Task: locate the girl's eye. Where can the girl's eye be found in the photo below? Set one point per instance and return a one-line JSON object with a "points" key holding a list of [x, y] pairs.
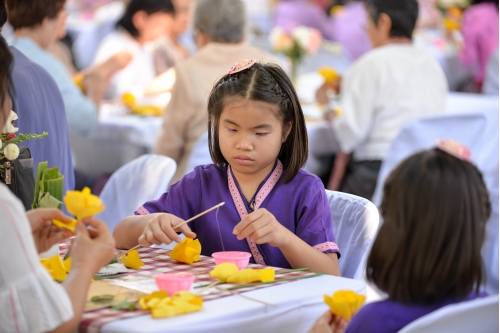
{"points": [[261, 134], [231, 130]]}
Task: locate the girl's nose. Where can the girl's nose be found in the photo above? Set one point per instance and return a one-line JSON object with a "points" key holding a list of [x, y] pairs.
{"points": [[244, 143]]}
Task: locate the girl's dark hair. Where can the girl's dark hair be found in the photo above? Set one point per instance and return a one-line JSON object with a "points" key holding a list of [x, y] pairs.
{"points": [[29, 13], [403, 14], [435, 208], [6, 64], [148, 6], [267, 83]]}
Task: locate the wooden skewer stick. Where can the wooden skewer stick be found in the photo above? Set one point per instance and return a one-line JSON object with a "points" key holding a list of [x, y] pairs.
{"points": [[209, 286], [201, 214], [135, 247], [187, 221], [232, 292]]}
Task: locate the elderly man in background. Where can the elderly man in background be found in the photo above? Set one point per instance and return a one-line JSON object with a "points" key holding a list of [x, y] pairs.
{"points": [[219, 35]]}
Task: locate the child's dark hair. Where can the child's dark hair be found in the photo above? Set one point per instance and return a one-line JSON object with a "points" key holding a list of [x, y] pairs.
{"points": [[267, 83], [148, 6], [403, 14], [435, 208]]}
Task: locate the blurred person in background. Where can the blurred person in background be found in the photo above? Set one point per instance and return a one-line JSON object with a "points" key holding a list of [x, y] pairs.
{"points": [[348, 27], [169, 50], [292, 13], [480, 37], [219, 27], [39, 106], [384, 90], [142, 24], [37, 26]]}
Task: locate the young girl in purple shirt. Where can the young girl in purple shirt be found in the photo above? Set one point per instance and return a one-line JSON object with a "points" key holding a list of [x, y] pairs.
{"points": [[428, 251], [273, 209]]}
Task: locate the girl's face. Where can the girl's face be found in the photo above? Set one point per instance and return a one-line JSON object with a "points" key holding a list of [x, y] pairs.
{"points": [[250, 136]]}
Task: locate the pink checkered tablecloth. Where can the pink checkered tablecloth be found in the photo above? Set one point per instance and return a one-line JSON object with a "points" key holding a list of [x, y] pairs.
{"points": [[156, 261]]}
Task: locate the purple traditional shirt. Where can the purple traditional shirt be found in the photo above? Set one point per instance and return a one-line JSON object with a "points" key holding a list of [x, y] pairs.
{"points": [[391, 316], [300, 205]]}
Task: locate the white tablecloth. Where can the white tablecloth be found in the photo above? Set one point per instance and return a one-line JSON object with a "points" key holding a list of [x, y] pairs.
{"points": [[299, 304]]}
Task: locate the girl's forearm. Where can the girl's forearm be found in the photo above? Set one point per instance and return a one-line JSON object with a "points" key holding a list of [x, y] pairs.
{"points": [[300, 254], [128, 231]]}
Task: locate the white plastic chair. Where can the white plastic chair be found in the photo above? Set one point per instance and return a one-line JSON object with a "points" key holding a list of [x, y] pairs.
{"points": [[200, 155], [143, 179], [355, 224], [479, 132], [478, 316]]}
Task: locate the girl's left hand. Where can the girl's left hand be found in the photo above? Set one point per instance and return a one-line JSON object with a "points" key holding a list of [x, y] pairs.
{"points": [[262, 227], [45, 234]]}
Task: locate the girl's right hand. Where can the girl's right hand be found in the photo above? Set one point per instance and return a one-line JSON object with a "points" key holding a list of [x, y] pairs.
{"points": [[160, 230]]}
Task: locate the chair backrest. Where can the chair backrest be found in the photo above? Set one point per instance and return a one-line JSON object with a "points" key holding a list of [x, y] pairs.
{"points": [[143, 179], [478, 316], [355, 224], [479, 132], [200, 155]]}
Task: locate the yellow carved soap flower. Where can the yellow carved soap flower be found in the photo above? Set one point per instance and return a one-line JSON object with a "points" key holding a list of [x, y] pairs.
{"points": [[250, 275], [55, 267], [129, 100], [132, 260], [223, 271], [162, 306], [187, 251], [83, 204], [71, 225], [345, 303]]}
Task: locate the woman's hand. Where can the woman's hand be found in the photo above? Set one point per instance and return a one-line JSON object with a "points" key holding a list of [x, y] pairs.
{"points": [[160, 230], [329, 323], [262, 227], [93, 248], [45, 234]]}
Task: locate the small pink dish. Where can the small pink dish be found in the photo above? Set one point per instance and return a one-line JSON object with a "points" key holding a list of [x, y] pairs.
{"points": [[173, 283], [240, 259]]}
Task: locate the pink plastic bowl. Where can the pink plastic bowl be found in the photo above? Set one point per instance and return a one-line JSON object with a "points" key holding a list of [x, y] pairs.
{"points": [[173, 283], [240, 259]]}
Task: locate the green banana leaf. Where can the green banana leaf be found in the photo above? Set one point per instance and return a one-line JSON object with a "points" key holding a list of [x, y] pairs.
{"points": [[48, 201], [40, 169]]}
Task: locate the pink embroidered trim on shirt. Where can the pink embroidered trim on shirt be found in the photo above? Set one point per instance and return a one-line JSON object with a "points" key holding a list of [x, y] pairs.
{"points": [[142, 211], [327, 246], [263, 193]]}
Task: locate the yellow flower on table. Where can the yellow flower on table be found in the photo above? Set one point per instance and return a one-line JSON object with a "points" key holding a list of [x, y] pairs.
{"points": [[345, 303], [223, 271], [187, 251], [132, 260], [83, 204], [250, 275], [162, 306]]}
